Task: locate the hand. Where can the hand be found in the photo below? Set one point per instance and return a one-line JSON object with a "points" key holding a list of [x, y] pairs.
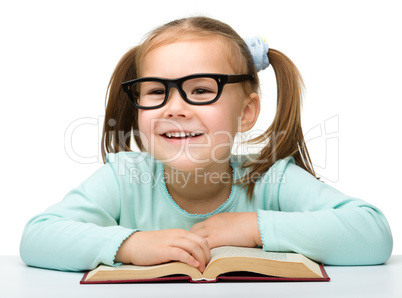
{"points": [[231, 228], [155, 247]]}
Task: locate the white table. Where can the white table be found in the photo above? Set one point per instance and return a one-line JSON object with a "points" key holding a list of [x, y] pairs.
{"points": [[19, 280]]}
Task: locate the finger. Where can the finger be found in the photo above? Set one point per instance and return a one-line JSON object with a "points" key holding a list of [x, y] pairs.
{"points": [[200, 231], [195, 249], [195, 246], [203, 243], [212, 238], [178, 254], [196, 227]]}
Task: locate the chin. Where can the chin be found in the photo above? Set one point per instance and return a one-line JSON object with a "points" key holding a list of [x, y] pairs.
{"points": [[183, 165], [186, 163], [182, 162]]}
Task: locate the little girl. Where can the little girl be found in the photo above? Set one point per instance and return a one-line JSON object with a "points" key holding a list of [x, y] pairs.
{"points": [[183, 95]]}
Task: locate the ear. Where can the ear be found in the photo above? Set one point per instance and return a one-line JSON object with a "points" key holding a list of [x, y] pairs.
{"points": [[250, 112]]}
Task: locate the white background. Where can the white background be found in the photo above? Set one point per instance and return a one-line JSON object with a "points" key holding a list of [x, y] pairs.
{"points": [[57, 57]]}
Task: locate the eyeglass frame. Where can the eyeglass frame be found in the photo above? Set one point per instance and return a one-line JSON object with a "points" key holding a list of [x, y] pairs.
{"points": [[221, 80]]}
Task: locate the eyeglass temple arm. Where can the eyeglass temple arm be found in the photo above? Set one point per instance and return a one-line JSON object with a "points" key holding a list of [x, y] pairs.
{"points": [[239, 78]]}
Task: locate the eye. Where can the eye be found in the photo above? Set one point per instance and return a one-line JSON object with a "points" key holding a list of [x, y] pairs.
{"points": [[156, 92], [151, 89], [201, 91]]}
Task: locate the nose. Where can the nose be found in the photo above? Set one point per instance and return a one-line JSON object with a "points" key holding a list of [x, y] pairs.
{"points": [[176, 106]]}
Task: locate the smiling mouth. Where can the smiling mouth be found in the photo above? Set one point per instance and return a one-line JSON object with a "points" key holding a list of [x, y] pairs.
{"points": [[181, 135]]}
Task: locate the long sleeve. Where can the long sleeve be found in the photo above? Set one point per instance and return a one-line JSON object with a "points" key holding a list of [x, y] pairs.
{"points": [[81, 231], [312, 218], [296, 212]]}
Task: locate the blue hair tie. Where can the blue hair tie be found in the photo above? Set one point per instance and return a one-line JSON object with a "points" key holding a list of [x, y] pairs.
{"points": [[259, 50]]}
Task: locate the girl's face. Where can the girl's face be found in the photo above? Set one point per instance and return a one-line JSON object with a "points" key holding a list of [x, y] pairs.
{"points": [[214, 125]]}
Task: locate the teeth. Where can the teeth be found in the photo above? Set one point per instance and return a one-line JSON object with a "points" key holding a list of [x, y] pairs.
{"points": [[181, 134], [194, 134]]}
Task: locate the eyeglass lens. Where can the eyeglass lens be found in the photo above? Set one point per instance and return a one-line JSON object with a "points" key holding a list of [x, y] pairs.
{"points": [[151, 93]]}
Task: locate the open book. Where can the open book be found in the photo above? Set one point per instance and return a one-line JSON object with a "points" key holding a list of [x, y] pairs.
{"points": [[227, 263]]}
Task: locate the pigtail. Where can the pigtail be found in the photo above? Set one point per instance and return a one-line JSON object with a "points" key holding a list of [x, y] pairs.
{"points": [[284, 137], [121, 116]]}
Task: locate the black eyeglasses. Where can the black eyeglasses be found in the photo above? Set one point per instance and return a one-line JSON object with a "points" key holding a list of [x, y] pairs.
{"points": [[197, 89]]}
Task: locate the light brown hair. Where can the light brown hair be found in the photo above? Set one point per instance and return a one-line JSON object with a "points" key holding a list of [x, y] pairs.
{"points": [[284, 137]]}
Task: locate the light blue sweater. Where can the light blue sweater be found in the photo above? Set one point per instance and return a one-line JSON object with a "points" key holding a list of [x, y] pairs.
{"points": [[296, 212]]}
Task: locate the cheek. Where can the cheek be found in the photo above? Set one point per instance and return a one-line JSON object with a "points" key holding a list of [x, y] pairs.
{"points": [[223, 129], [227, 120], [231, 110]]}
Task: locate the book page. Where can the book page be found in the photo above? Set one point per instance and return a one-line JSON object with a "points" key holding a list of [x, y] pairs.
{"points": [[245, 255], [232, 251], [217, 254], [143, 269], [124, 267]]}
